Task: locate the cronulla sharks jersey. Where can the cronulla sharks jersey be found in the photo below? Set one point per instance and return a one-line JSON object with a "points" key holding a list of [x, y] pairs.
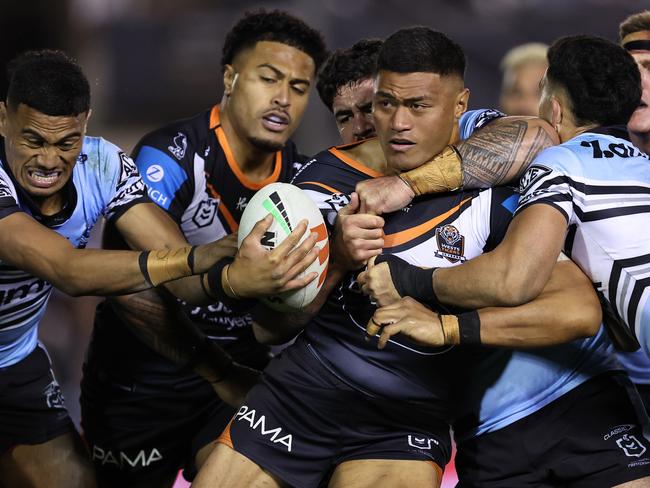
{"points": [[600, 183], [104, 182], [479, 389], [190, 172]]}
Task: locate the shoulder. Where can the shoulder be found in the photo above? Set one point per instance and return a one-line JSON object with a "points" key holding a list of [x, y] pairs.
{"points": [[473, 120]]}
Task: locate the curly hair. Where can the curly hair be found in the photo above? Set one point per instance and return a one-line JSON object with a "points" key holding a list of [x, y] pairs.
{"points": [[420, 49], [347, 67], [275, 26], [48, 81], [601, 79]]}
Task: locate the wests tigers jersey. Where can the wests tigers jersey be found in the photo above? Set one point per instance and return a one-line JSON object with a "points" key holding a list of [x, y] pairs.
{"points": [[442, 230], [190, 171]]}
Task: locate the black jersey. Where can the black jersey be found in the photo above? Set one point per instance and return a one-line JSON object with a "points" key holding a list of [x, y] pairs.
{"points": [[190, 172], [433, 231]]}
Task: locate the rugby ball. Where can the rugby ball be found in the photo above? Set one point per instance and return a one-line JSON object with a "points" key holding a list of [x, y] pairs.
{"points": [[288, 205]]}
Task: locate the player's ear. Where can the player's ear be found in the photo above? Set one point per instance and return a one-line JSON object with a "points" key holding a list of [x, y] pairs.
{"points": [[229, 78], [88, 114], [462, 102], [557, 113]]}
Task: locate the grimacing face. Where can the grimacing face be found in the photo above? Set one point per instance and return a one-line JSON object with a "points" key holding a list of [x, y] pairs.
{"points": [[352, 107], [41, 150], [416, 115], [268, 88]]}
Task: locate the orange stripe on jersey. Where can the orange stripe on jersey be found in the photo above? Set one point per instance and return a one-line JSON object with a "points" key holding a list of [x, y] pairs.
{"points": [[398, 238], [355, 164], [322, 185], [222, 209], [225, 438], [215, 123]]}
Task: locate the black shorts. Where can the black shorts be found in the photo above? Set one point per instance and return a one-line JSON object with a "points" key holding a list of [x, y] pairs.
{"points": [[590, 437], [32, 410], [301, 421], [142, 415]]}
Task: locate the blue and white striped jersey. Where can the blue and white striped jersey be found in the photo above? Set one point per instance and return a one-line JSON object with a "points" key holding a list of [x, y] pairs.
{"points": [[105, 181], [600, 182]]}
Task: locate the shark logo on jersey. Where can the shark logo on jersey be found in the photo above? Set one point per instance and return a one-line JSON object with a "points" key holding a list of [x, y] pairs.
{"points": [[631, 445], [451, 244], [205, 212], [533, 174], [487, 116], [53, 396], [179, 146]]}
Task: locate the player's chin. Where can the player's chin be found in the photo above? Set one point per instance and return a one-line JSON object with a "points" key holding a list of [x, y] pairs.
{"points": [[268, 144]]}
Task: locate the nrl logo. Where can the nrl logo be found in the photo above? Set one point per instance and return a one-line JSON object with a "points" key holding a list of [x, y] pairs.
{"points": [[451, 244]]}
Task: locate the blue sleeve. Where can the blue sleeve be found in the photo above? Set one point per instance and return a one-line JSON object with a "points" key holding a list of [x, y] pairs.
{"points": [[474, 120]]}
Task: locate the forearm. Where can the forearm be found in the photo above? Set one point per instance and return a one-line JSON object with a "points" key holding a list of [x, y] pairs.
{"points": [[275, 327], [497, 154], [567, 309]]}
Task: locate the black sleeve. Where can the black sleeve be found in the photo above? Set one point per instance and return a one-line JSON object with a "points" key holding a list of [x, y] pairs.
{"points": [[504, 203]]}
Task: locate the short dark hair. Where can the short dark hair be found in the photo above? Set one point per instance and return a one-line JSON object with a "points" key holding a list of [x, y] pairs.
{"points": [[420, 49], [48, 81], [275, 26], [347, 67], [601, 79]]}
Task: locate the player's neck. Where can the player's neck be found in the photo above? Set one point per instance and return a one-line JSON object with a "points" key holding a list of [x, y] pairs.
{"points": [[369, 154], [49, 205], [641, 140], [255, 163]]}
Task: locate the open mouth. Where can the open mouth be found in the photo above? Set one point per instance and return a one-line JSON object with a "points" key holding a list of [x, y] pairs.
{"points": [[401, 145], [275, 122], [43, 178]]}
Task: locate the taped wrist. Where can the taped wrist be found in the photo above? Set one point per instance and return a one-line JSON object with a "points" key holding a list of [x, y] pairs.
{"points": [[464, 328], [410, 280], [165, 265], [442, 174], [215, 290]]}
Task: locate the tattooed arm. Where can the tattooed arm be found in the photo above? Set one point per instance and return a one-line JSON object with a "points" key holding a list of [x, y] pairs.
{"points": [[501, 152], [495, 155], [157, 319]]}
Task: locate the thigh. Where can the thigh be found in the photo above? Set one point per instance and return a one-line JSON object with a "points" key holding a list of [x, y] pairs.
{"points": [[369, 473], [58, 463], [227, 467]]}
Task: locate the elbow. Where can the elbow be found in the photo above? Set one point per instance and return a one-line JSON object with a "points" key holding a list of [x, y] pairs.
{"points": [[517, 289], [589, 317]]}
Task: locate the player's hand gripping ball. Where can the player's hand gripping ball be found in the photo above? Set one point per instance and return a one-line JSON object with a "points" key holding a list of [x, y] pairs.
{"points": [[288, 205]]}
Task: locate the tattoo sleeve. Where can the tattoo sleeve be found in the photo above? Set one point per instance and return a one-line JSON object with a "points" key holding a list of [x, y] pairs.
{"points": [[501, 151]]}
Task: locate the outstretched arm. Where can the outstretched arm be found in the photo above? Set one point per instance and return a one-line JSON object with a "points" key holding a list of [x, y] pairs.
{"points": [[30, 246]]}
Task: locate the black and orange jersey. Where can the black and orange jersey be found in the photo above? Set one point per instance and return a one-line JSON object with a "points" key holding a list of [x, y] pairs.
{"points": [[433, 231], [190, 171]]}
